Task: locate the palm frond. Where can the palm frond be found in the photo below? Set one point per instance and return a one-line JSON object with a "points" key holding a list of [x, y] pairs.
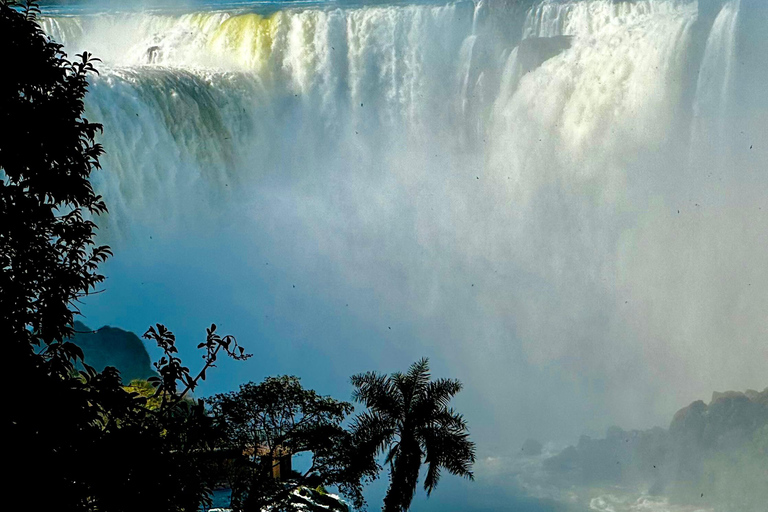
{"points": [[433, 476], [451, 450], [419, 374], [373, 432], [410, 420], [378, 393]]}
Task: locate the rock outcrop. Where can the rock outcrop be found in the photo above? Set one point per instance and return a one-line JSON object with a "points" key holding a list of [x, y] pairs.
{"points": [[110, 346], [698, 444]]}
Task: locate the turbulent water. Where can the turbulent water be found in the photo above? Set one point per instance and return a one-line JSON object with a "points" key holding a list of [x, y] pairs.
{"points": [[576, 185], [232, 95]]}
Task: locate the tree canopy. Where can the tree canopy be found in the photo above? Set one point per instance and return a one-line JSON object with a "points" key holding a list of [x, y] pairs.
{"points": [[277, 418], [48, 258], [78, 440], [408, 418], [48, 255]]}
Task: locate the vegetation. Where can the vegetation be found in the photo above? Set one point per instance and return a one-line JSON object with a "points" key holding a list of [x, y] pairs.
{"points": [[47, 253], [409, 418], [80, 441], [145, 389], [264, 423], [48, 260]]}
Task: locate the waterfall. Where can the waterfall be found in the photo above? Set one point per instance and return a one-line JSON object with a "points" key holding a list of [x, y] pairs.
{"points": [[714, 88], [194, 93], [514, 176]]}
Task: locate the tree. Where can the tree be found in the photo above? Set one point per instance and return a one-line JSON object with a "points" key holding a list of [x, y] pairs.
{"points": [[408, 418], [48, 258], [145, 389], [264, 423], [48, 255], [76, 440]]}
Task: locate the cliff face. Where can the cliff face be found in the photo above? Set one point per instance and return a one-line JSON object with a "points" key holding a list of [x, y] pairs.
{"points": [[730, 419], [718, 449], [110, 346]]}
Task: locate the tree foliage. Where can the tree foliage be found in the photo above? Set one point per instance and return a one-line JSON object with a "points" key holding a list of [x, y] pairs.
{"points": [[155, 444], [78, 441], [145, 389], [48, 258], [410, 420], [48, 255], [278, 417]]}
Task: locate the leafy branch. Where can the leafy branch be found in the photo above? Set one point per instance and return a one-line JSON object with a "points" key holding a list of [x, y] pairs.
{"points": [[173, 373]]}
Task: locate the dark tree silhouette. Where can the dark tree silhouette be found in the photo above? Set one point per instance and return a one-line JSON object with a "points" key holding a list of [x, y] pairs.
{"points": [[75, 440], [268, 422], [408, 418], [47, 153], [48, 259]]}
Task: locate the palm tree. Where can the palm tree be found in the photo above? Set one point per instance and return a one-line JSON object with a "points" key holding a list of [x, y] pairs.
{"points": [[408, 418]]}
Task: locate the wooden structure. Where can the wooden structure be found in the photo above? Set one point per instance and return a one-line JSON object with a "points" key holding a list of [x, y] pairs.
{"points": [[279, 459]]}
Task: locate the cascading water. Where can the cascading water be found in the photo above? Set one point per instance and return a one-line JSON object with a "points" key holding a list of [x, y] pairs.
{"points": [[714, 88], [208, 90], [517, 181]]}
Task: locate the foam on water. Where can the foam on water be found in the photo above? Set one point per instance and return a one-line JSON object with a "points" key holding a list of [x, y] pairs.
{"points": [[629, 503]]}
